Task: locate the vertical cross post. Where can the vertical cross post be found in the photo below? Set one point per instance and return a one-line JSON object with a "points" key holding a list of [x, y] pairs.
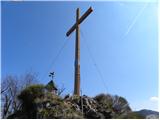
{"points": [[77, 56], [76, 27]]}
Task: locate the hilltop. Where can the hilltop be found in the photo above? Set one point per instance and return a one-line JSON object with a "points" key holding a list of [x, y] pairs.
{"points": [[149, 114], [41, 102]]}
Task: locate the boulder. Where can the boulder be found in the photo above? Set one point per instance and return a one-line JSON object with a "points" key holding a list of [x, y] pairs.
{"points": [[93, 114]]}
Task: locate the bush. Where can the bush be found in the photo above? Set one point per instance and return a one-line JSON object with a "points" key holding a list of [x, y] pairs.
{"points": [[32, 92], [39, 102], [115, 103], [105, 100], [28, 97], [120, 105]]}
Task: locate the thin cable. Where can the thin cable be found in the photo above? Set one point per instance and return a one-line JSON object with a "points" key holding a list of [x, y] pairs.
{"points": [[94, 62], [56, 57]]}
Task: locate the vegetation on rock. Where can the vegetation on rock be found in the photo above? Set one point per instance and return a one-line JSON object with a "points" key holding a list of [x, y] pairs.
{"points": [[38, 101]]}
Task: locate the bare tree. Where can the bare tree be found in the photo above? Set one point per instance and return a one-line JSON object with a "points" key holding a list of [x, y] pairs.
{"points": [[29, 79], [8, 90], [11, 86]]}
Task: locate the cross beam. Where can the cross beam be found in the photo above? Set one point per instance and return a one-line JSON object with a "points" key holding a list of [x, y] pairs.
{"points": [[79, 20]]}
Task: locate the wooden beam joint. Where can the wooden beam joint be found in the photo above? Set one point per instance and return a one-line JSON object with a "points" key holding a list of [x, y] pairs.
{"points": [[79, 21]]}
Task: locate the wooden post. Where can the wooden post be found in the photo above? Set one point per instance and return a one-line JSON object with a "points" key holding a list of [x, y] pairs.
{"points": [[76, 27], [77, 57]]}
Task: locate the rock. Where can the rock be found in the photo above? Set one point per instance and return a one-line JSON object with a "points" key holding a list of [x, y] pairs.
{"points": [[107, 114], [67, 96], [76, 107], [48, 105], [86, 103], [92, 114], [52, 106]]}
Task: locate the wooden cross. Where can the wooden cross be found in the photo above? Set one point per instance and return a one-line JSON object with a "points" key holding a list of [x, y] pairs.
{"points": [[76, 27]]}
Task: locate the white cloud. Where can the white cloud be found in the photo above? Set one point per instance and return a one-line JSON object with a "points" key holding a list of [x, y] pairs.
{"points": [[154, 99], [151, 104]]}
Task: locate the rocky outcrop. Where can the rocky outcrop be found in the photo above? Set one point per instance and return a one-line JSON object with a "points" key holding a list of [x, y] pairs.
{"points": [[91, 108], [53, 106], [87, 106], [40, 103]]}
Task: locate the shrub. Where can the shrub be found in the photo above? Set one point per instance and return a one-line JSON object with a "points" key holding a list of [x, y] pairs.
{"points": [[120, 105], [105, 100], [28, 97], [32, 92], [115, 103]]}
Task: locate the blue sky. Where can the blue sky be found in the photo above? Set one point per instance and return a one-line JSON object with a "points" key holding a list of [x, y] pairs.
{"points": [[122, 38]]}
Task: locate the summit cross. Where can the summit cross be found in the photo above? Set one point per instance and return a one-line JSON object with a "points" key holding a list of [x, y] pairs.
{"points": [[76, 27]]}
